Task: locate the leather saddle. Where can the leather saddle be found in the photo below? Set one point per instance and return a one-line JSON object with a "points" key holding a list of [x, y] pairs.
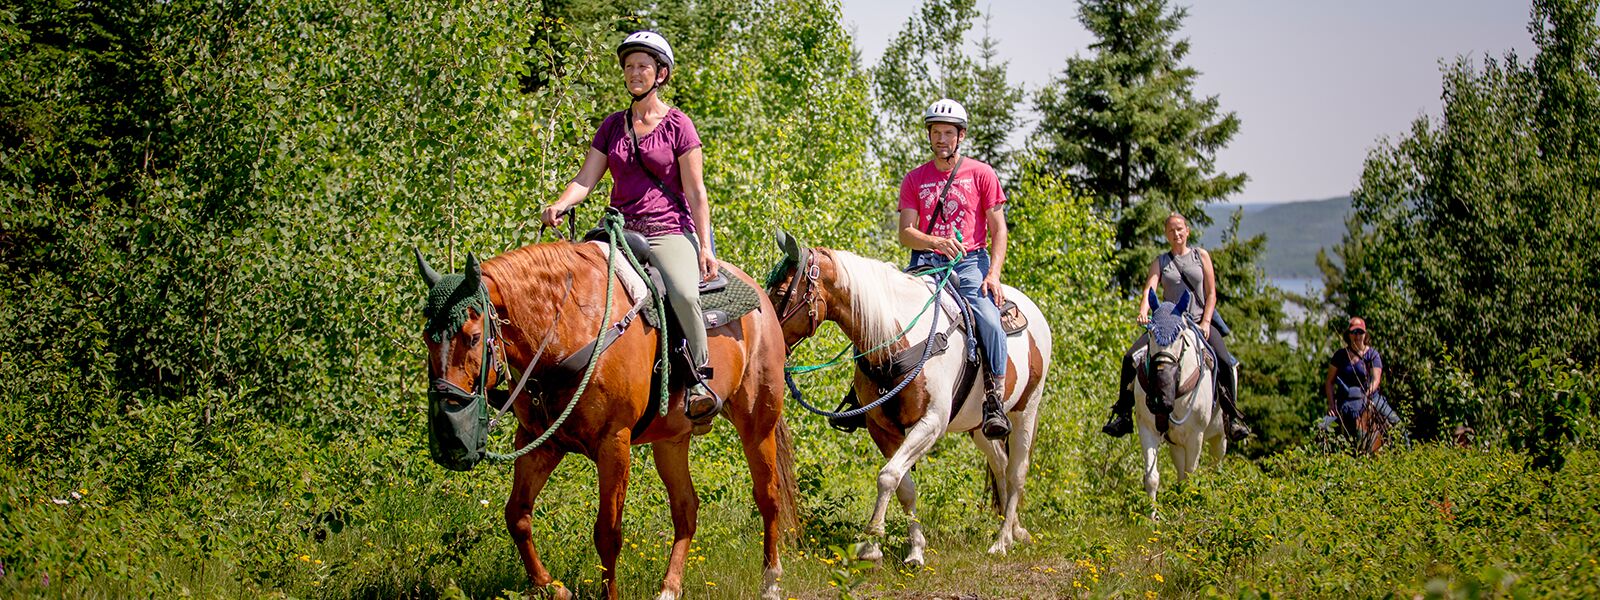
{"points": [[714, 314]]}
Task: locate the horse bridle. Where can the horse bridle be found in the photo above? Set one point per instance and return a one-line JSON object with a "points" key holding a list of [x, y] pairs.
{"points": [[808, 298], [1165, 356], [493, 358]]}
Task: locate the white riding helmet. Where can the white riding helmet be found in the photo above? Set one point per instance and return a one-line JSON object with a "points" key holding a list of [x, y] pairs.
{"points": [[946, 111], [647, 41]]}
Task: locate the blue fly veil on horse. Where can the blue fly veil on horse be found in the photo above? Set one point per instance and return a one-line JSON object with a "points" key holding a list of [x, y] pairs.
{"points": [[1167, 319]]}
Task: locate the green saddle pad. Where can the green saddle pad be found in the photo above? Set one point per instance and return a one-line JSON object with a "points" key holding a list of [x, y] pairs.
{"points": [[733, 301]]}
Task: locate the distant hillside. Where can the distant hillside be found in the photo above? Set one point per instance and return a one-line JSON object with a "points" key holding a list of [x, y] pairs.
{"points": [[1294, 230]]}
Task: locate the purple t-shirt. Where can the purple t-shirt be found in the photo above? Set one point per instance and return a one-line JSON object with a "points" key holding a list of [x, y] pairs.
{"points": [[645, 208]]}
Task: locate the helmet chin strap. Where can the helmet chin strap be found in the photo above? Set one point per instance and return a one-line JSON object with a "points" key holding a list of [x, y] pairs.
{"points": [[646, 94]]}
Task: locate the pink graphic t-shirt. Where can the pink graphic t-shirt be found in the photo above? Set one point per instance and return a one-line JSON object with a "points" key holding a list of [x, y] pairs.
{"points": [[644, 207], [974, 193]]}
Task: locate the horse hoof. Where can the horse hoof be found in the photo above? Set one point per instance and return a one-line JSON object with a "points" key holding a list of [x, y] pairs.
{"points": [[870, 553], [667, 595], [999, 548], [1021, 535], [702, 428], [913, 562]]}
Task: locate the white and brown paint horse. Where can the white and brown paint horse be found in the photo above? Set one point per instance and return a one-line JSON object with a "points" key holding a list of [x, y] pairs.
{"points": [[1179, 369], [872, 302]]}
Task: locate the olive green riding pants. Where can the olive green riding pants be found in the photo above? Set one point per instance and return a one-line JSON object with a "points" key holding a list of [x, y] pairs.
{"points": [[678, 257]]}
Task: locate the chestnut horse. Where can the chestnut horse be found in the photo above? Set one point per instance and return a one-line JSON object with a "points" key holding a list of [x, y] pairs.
{"points": [[871, 302], [528, 289]]}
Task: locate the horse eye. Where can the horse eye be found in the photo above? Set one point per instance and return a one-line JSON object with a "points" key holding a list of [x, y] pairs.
{"points": [[476, 338]]}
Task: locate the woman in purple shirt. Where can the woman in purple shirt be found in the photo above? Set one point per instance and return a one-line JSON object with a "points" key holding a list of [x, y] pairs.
{"points": [[657, 183]]}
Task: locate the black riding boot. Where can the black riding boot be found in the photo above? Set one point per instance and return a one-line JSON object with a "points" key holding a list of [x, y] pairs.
{"points": [[1227, 393], [995, 423], [1121, 422]]}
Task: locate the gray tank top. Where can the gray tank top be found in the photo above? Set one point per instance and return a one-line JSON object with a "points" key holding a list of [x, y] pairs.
{"points": [[1173, 284]]}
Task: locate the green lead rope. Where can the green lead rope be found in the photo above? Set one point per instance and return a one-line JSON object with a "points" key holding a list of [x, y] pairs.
{"points": [[588, 372], [943, 273], [612, 222]]}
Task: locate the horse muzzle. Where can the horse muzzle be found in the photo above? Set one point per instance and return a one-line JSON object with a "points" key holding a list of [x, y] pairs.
{"points": [[458, 426]]}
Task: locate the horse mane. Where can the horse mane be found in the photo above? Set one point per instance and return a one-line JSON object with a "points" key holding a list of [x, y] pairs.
{"points": [[537, 274], [875, 288]]}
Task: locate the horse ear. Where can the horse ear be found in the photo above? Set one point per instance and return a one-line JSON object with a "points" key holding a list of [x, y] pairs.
{"points": [[473, 271], [1183, 304], [428, 274], [1153, 300], [790, 247]]}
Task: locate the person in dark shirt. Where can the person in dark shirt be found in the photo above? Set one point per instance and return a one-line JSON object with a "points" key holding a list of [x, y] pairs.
{"points": [[1354, 374]]}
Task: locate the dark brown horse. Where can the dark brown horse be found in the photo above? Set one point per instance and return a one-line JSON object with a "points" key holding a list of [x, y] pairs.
{"points": [[528, 291]]}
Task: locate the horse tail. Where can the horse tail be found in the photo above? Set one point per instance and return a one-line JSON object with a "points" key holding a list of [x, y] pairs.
{"points": [[788, 488], [994, 488]]}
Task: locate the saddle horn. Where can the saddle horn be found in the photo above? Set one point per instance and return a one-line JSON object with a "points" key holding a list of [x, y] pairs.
{"points": [[428, 274]]}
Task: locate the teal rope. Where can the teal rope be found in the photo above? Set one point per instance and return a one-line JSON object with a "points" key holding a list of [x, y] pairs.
{"points": [[839, 359], [588, 372]]}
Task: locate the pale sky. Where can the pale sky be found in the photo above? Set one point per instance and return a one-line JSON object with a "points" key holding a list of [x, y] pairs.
{"points": [[1315, 83]]}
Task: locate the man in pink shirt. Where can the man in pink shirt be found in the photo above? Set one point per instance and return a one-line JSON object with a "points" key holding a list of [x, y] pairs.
{"points": [[951, 194]]}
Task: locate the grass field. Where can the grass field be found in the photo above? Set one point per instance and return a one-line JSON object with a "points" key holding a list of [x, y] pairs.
{"points": [[276, 513]]}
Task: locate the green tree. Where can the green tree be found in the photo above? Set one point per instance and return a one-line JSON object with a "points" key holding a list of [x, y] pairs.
{"points": [[1463, 253], [1126, 125], [926, 61]]}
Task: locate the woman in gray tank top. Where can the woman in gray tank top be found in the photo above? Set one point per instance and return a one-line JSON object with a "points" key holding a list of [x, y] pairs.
{"points": [[1181, 269]]}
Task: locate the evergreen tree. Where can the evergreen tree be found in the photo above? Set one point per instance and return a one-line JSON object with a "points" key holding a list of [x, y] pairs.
{"points": [[992, 105], [1127, 127], [926, 61]]}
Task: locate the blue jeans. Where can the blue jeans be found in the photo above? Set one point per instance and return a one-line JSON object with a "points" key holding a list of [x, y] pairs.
{"points": [[971, 271]]}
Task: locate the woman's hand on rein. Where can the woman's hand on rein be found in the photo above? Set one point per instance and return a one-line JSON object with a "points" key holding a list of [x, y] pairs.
{"points": [[708, 266], [551, 215]]}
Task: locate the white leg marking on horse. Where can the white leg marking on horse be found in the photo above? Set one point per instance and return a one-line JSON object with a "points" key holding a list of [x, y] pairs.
{"points": [[1151, 441], [907, 493], [916, 445], [769, 583]]}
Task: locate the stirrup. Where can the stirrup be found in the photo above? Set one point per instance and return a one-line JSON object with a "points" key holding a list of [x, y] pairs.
{"points": [[996, 426], [848, 424], [701, 404], [1235, 429], [1118, 426]]}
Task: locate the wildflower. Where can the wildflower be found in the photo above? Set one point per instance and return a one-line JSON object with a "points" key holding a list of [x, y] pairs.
{"points": [[711, 583], [305, 558], [483, 502], [1158, 578], [316, 562]]}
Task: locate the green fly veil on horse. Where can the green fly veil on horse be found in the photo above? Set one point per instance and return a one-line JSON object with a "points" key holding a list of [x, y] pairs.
{"points": [[458, 419]]}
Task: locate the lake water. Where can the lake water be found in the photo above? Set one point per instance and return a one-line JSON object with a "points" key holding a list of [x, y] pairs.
{"points": [[1304, 286]]}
